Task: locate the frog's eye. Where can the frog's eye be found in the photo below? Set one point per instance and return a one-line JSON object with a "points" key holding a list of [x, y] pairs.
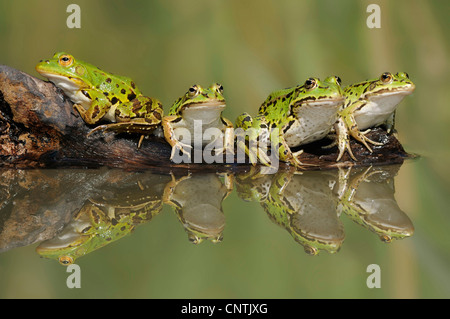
{"points": [[219, 88], [338, 79], [310, 84], [65, 260], [65, 60], [386, 239], [386, 77], [194, 239], [310, 250], [193, 90], [403, 75]]}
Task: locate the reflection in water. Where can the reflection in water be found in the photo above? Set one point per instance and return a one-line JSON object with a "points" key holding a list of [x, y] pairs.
{"points": [[106, 217], [309, 205], [367, 197], [303, 204], [74, 212], [308, 210], [197, 200]]}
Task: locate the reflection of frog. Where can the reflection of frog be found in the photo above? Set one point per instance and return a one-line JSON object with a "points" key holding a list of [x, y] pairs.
{"points": [[367, 197], [302, 115], [98, 223], [198, 104], [253, 185], [89, 230], [302, 204], [369, 104], [101, 96], [197, 200]]}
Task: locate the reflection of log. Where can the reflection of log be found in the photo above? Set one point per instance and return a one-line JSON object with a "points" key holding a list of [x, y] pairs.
{"points": [[30, 213], [39, 128], [36, 204]]}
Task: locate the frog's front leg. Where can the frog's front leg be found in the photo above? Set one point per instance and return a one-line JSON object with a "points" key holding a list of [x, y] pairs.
{"points": [[170, 187], [343, 140], [228, 137], [169, 135], [354, 131], [228, 183], [100, 105]]}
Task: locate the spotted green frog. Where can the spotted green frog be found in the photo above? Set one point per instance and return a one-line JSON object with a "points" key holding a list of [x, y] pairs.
{"points": [[369, 104], [305, 206], [253, 186], [303, 114], [99, 96], [198, 105], [89, 230], [366, 196], [102, 221]]}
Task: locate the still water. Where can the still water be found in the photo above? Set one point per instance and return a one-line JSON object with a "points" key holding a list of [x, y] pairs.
{"points": [[247, 235]]}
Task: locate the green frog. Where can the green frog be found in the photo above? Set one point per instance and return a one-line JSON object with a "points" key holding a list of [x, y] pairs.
{"points": [[99, 96], [253, 186], [302, 114], [104, 219], [90, 229], [305, 206], [197, 200], [366, 196], [369, 104], [198, 104]]}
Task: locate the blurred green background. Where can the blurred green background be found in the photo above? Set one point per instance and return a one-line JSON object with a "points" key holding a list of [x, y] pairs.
{"points": [[252, 48]]}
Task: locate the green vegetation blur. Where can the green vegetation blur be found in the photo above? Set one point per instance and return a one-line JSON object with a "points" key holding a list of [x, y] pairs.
{"points": [[253, 47]]}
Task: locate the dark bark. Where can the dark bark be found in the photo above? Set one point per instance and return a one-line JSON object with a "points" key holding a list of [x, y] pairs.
{"points": [[40, 128]]}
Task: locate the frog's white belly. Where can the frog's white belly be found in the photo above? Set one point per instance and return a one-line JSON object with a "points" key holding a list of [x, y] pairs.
{"points": [[376, 111], [313, 124], [206, 121]]}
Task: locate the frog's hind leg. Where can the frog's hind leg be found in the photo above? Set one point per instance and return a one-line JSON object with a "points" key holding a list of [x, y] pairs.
{"points": [[255, 132], [141, 116], [285, 152], [131, 127]]}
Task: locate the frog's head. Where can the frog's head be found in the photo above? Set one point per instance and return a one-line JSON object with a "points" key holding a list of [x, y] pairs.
{"points": [[90, 230], [389, 87], [198, 100], [65, 248], [64, 71], [317, 93], [202, 221]]}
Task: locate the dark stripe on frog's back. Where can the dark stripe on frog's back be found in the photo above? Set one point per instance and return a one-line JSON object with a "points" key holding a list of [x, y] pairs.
{"points": [[350, 97], [280, 94], [174, 107], [270, 106]]}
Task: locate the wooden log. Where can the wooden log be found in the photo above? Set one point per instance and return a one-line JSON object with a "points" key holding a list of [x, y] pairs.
{"points": [[40, 128]]}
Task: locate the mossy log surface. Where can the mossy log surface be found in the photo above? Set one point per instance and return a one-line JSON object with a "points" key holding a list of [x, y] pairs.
{"points": [[40, 129]]}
